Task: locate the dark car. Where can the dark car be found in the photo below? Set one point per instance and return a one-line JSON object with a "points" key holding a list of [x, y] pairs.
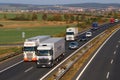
{"points": [[83, 38], [73, 45]]}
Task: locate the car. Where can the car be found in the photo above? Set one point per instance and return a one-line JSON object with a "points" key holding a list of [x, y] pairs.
{"points": [[116, 20], [83, 38], [88, 34], [73, 45]]}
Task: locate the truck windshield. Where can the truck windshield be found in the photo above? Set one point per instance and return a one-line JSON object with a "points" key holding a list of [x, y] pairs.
{"points": [[43, 53], [70, 33], [29, 48]]}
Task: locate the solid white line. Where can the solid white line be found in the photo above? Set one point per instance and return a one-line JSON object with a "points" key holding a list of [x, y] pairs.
{"points": [[94, 56], [11, 66], [111, 61], [28, 69], [114, 52], [107, 76]]}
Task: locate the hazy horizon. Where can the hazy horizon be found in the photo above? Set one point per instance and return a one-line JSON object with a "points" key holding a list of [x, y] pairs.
{"points": [[55, 2]]}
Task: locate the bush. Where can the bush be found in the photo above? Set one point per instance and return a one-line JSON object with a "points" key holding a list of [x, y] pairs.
{"points": [[1, 25]]}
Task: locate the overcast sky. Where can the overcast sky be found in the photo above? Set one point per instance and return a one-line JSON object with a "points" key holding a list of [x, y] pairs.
{"points": [[53, 2]]}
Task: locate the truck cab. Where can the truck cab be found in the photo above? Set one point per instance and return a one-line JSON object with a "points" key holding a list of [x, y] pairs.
{"points": [[50, 51], [44, 56], [29, 51], [30, 47], [71, 33]]}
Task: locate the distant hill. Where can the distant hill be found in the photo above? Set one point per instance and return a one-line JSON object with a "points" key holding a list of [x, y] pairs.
{"points": [[7, 6], [93, 5]]}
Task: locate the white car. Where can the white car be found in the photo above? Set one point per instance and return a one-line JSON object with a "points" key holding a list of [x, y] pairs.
{"points": [[116, 20], [88, 34]]}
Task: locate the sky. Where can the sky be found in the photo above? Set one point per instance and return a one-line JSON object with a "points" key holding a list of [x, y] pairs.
{"points": [[54, 2]]}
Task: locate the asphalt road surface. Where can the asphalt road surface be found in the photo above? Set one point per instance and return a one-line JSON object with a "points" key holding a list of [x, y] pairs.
{"points": [[104, 64], [16, 69]]}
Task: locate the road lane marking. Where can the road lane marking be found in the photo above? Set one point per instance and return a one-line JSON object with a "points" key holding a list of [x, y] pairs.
{"points": [[28, 69], [116, 46], [107, 76], [94, 56], [11, 66], [118, 41], [114, 52], [111, 61]]}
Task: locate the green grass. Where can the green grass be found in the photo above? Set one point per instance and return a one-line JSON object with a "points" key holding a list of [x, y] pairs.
{"points": [[13, 15], [15, 35], [9, 50]]}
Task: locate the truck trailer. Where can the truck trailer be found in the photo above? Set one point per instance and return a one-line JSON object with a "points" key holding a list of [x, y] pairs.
{"points": [[112, 20], [71, 33], [50, 51], [30, 47]]}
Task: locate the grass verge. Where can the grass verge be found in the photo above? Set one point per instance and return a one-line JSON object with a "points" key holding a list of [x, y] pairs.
{"points": [[8, 52]]}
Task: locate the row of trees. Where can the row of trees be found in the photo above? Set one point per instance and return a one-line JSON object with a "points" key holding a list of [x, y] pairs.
{"points": [[49, 17]]}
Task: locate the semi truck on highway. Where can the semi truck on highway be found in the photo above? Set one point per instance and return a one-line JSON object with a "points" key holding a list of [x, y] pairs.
{"points": [[30, 47], [71, 33], [112, 20], [50, 51], [95, 26]]}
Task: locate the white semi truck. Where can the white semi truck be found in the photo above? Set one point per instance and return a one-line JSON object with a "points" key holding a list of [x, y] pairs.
{"points": [[71, 33], [30, 47], [50, 51]]}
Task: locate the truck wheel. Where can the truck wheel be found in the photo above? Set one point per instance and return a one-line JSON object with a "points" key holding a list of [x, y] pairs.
{"points": [[52, 64]]}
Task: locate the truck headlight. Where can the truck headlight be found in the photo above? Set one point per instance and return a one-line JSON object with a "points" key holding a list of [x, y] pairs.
{"points": [[49, 62], [49, 58], [38, 63]]}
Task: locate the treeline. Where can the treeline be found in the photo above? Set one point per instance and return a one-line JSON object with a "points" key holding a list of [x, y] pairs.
{"points": [[69, 18]]}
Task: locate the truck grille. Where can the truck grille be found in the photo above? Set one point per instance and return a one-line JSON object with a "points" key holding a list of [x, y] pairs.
{"points": [[69, 38], [29, 56], [43, 60]]}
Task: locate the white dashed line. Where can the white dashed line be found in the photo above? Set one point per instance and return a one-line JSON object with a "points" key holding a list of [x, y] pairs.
{"points": [[28, 69], [116, 46], [118, 41], [111, 61], [114, 52], [107, 76]]}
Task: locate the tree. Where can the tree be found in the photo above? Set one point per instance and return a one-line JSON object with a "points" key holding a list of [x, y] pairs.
{"points": [[4, 16], [44, 17], [115, 15], [57, 17], [67, 17], [34, 16], [72, 18], [77, 18]]}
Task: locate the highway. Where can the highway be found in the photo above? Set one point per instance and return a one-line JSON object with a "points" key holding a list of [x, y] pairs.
{"points": [[16, 69], [105, 63]]}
